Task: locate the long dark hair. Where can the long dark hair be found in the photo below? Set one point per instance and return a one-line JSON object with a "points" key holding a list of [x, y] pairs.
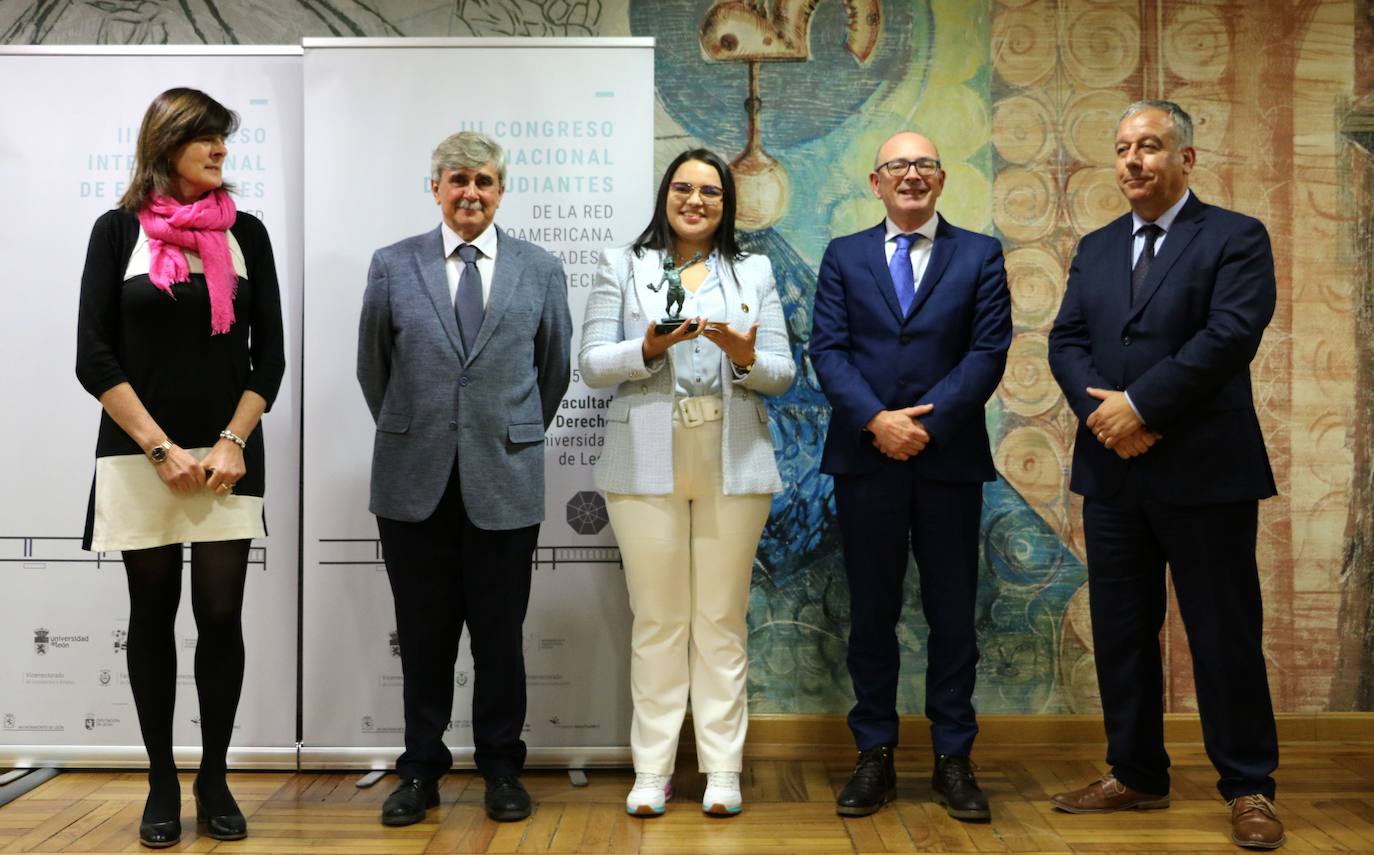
{"points": [[175, 118], [659, 235]]}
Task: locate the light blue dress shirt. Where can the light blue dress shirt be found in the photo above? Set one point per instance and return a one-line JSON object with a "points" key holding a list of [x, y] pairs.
{"points": [[1165, 222], [696, 363]]}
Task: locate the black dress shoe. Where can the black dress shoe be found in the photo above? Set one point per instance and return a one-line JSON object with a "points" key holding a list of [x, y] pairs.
{"points": [[408, 802], [160, 826], [872, 785], [506, 799], [220, 816], [954, 786], [159, 835]]}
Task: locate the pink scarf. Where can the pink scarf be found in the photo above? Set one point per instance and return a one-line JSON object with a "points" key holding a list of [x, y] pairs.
{"points": [[200, 227]]}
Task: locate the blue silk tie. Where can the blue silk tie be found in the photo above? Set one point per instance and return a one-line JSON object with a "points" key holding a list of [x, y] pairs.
{"points": [[903, 277], [1147, 255], [467, 306]]}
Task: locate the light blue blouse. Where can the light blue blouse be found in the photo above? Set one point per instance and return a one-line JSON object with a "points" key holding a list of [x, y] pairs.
{"points": [[697, 363]]}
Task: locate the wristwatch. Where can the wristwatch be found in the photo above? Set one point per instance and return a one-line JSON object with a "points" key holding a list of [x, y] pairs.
{"points": [[158, 453]]}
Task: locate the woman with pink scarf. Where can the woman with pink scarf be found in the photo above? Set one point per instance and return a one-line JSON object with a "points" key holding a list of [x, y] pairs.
{"points": [[180, 338]]}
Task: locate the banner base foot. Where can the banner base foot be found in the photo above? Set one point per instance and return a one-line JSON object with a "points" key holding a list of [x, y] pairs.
{"points": [[20, 781], [370, 778]]}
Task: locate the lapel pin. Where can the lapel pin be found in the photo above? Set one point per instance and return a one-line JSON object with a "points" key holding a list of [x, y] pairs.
{"points": [[744, 306]]}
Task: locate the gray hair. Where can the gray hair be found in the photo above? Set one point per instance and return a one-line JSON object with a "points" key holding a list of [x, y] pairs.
{"points": [[467, 150], [1183, 123]]}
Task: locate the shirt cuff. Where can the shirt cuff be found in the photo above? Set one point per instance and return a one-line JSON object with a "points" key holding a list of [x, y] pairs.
{"points": [[1133, 407]]}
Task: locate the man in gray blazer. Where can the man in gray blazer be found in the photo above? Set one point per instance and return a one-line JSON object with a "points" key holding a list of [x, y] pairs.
{"points": [[463, 356]]}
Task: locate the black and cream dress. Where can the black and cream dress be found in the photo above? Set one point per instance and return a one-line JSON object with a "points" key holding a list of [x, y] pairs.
{"points": [[129, 330]]}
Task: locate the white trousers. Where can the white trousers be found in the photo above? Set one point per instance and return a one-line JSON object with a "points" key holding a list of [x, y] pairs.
{"points": [[688, 559]]}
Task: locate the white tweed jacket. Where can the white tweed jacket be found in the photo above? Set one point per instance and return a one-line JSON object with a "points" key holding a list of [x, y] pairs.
{"points": [[637, 457]]}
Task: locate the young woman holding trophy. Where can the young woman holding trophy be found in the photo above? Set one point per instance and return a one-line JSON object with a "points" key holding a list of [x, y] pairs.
{"points": [[688, 466]]}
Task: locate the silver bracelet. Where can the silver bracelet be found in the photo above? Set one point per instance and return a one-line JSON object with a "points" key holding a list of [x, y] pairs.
{"points": [[233, 437]]}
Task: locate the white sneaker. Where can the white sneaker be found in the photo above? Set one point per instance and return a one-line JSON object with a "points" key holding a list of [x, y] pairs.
{"points": [[722, 796], [649, 794]]}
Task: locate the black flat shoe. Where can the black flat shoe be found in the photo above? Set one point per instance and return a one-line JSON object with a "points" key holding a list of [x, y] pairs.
{"points": [[872, 784], [952, 784], [506, 799], [408, 802], [229, 824], [160, 835]]}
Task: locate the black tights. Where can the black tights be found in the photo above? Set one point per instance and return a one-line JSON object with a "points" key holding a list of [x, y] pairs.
{"points": [[218, 572]]}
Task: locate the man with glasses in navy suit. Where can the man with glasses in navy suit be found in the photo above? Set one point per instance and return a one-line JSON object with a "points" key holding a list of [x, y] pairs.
{"points": [[912, 323]]}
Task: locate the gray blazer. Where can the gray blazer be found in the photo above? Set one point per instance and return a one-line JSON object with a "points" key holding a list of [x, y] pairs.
{"points": [[638, 456], [432, 401]]}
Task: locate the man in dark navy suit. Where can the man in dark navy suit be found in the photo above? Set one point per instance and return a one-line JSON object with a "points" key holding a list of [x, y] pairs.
{"points": [[1163, 313], [911, 328]]}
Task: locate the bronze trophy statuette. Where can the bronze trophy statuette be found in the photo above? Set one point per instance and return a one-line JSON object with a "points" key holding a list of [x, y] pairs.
{"points": [[677, 295]]}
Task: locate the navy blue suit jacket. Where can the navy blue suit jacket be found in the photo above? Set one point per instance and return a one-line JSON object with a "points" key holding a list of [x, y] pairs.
{"points": [[1182, 352], [949, 350]]}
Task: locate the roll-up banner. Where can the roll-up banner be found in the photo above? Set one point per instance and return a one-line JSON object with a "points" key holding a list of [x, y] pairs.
{"points": [[67, 137], [575, 117]]}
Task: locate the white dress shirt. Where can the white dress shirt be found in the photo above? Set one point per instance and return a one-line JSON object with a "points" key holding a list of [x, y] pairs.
{"points": [[486, 259], [142, 257], [920, 249]]}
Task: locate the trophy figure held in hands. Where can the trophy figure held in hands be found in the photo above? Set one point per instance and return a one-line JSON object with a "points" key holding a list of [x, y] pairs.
{"points": [[672, 276]]}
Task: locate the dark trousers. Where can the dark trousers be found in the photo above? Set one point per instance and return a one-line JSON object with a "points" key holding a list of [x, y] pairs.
{"points": [[1210, 550], [882, 515], [445, 572]]}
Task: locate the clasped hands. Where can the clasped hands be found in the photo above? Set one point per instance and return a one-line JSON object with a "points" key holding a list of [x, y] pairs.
{"points": [[738, 346], [1116, 425], [899, 434], [218, 472]]}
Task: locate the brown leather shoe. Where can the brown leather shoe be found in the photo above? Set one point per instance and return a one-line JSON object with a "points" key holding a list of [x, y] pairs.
{"points": [[1255, 823], [1105, 795]]}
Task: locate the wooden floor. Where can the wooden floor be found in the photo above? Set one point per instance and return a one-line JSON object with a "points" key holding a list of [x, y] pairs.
{"points": [[1326, 799]]}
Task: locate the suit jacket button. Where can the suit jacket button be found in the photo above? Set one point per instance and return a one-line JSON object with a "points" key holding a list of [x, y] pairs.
{"points": [[462, 381], [906, 339], [1125, 341], [452, 425]]}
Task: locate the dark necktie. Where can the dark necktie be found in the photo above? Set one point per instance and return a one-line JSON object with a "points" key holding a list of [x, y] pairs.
{"points": [[1147, 255], [903, 277], [467, 306]]}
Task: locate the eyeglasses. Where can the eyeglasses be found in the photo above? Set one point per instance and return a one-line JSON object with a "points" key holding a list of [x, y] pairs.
{"points": [[710, 193], [897, 167]]}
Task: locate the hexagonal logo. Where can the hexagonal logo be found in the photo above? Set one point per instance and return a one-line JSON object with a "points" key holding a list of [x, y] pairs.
{"points": [[587, 512]]}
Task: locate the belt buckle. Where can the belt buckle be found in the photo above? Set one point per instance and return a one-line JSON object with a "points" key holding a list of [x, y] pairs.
{"points": [[690, 410]]}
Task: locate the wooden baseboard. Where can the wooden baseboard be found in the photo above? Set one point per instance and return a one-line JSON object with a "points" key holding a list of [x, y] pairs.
{"points": [[785, 735]]}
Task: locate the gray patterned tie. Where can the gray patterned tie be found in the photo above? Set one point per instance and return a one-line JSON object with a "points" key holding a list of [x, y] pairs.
{"points": [[1147, 255], [467, 306]]}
